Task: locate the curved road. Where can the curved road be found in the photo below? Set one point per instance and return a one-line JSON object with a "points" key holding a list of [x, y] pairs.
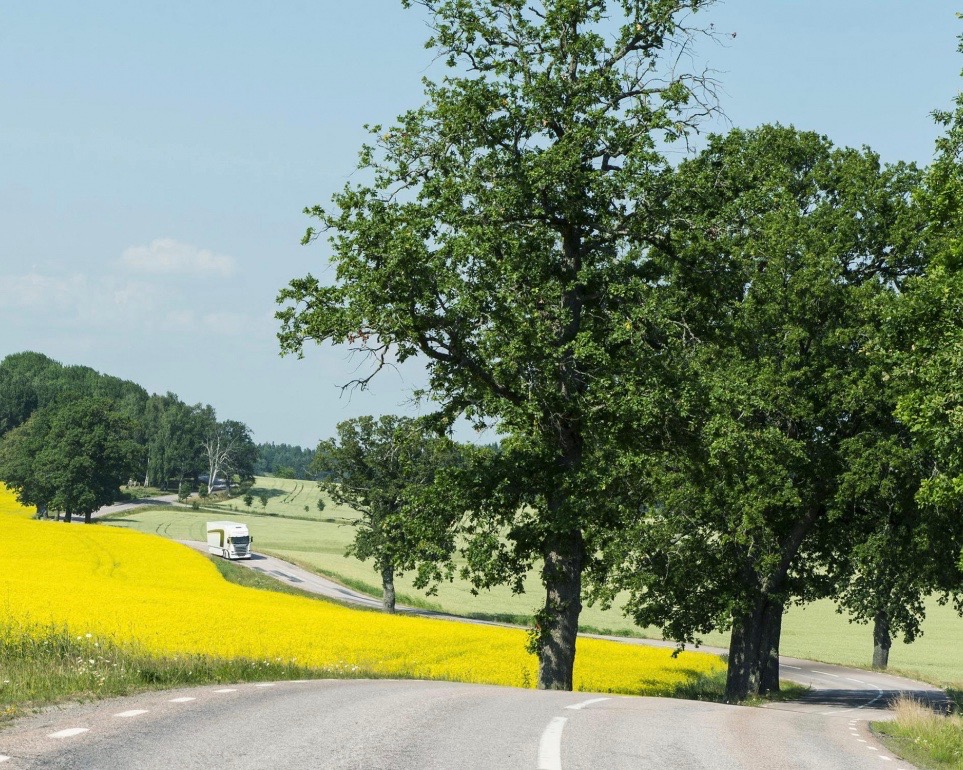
{"points": [[415, 725]]}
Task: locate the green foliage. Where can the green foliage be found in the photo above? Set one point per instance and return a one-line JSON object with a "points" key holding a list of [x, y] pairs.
{"points": [[505, 238], [264, 499], [71, 458], [280, 460], [791, 254], [383, 469]]}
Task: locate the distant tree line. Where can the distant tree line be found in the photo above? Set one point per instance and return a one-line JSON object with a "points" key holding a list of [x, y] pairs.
{"points": [[284, 461], [71, 436]]}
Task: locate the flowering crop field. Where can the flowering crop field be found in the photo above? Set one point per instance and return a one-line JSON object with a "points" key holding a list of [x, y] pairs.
{"points": [[10, 507], [163, 598]]}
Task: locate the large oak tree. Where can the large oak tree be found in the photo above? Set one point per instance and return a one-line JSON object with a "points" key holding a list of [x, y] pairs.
{"points": [[791, 251], [503, 238]]}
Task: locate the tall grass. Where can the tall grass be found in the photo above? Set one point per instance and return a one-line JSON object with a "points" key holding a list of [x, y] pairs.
{"points": [[924, 737], [41, 665]]}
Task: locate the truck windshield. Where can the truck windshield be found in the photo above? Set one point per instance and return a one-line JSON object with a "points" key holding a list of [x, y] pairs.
{"points": [[241, 540]]}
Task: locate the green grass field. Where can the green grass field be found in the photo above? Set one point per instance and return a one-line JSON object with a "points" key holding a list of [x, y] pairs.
{"points": [[318, 540]]}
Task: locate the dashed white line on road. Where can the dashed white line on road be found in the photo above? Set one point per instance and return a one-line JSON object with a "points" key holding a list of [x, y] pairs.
{"points": [[550, 746], [826, 673], [886, 759], [858, 681], [227, 689], [584, 703], [794, 668], [872, 748], [265, 684], [70, 732], [131, 713], [180, 700], [4, 757]]}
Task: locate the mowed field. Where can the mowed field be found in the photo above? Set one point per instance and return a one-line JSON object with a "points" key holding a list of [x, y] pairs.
{"points": [[161, 597], [318, 540]]}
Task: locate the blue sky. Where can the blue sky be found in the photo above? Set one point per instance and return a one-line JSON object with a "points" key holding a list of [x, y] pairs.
{"points": [[155, 159]]}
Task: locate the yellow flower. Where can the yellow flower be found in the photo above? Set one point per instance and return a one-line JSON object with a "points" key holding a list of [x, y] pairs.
{"points": [[168, 599]]}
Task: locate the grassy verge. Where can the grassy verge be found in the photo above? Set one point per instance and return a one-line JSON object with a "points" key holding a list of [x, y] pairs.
{"points": [[40, 666], [922, 737]]}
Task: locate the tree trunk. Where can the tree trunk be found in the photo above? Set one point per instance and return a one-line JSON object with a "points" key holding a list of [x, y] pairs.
{"points": [[562, 577], [388, 587], [87, 517], [754, 650], [769, 680], [68, 516], [882, 640]]}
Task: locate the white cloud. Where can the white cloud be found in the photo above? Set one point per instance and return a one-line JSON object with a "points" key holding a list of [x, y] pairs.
{"points": [[165, 255], [40, 291]]}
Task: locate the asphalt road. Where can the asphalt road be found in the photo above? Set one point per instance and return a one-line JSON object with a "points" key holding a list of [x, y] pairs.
{"points": [[418, 725]]}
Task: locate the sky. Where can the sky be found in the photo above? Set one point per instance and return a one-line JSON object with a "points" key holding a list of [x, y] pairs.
{"points": [[155, 159]]}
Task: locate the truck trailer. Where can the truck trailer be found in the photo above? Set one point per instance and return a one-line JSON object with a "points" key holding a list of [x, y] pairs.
{"points": [[229, 539]]}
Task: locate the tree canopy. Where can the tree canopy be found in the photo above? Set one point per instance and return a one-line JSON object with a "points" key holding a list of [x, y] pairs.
{"points": [[72, 458], [382, 469], [503, 239]]}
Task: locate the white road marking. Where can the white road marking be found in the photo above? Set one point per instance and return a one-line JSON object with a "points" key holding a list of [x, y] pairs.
{"points": [[794, 668], [4, 757], [265, 684], [861, 740], [181, 700], [826, 673], [858, 681], [885, 759], [131, 713], [872, 748], [584, 703], [550, 746], [227, 689], [70, 732]]}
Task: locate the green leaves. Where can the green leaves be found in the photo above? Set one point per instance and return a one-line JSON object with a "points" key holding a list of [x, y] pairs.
{"points": [[387, 469]]}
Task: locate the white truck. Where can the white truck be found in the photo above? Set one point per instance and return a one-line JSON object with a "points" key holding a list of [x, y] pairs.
{"points": [[229, 539]]}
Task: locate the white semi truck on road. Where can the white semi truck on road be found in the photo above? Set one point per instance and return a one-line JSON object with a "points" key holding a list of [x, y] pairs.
{"points": [[229, 539]]}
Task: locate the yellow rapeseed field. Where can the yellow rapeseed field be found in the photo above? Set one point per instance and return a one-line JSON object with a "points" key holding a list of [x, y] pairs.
{"points": [[10, 507], [143, 589]]}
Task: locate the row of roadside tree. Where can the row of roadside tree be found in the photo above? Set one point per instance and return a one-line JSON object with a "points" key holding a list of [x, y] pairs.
{"points": [[724, 385]]}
